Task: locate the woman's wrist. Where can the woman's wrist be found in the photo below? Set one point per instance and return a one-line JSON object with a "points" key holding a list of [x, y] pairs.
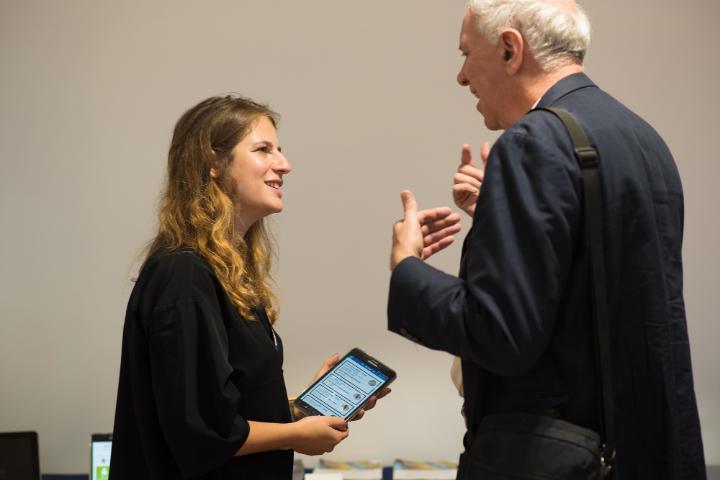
{"points": [[266, 436], [292, 435]]}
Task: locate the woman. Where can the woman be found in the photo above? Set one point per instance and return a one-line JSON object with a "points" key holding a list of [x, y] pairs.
{"points": [[201, 391]]}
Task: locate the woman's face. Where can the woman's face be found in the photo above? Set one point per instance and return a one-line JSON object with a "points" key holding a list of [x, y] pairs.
{"points": [[256, 169]]}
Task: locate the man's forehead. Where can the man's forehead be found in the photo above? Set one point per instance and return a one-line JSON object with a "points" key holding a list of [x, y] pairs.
{"points": [[466, 28], [469, 21], [468, 31]]}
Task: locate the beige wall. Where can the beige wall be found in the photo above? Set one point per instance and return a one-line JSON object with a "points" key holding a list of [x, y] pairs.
{"points": [[89, 92]]}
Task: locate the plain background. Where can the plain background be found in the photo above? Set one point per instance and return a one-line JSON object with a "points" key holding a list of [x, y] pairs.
{"points": [[90, 91]]}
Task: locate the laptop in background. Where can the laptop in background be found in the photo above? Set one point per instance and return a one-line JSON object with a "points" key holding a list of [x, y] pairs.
{"points": [[19, 459], [100, 447]]}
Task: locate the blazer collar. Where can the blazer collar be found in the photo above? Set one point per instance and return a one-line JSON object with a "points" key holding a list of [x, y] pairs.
{"points": [[566, 85]]}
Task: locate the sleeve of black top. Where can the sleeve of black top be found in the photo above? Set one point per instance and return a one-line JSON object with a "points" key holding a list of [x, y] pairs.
{"points": [[516, 261], [197, 402]]}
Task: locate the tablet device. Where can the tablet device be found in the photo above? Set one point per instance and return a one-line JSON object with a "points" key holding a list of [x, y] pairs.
{"points": [[100, 448], [347, 387]]}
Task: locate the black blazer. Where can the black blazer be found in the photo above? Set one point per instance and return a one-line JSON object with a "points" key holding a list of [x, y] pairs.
{"points": [[193, 372], [519, 312]]}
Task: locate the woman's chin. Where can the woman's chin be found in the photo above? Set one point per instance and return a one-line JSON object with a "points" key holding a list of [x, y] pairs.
{"points": [[274, 209]]}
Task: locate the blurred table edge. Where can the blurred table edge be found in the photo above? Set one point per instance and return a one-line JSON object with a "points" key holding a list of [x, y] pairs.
{"points": [[713, 473]]}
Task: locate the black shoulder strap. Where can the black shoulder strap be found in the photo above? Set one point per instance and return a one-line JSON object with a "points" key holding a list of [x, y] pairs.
{"points": [[587, 157]]}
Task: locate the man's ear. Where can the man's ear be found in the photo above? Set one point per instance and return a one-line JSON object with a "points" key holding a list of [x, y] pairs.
{"points": [[512, 43]]}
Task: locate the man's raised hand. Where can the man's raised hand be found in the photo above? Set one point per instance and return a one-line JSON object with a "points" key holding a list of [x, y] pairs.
{"points": [[424, 233], [468, 179]]}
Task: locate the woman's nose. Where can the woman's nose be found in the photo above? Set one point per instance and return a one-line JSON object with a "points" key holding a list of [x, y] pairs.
{"points": [[282, 165]]}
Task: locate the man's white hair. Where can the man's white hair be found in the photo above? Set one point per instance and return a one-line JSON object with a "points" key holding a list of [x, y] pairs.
{"points": [[555, 34]]}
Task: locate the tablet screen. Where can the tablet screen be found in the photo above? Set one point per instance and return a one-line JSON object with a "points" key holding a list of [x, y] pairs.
{"points": [[345, 388]]}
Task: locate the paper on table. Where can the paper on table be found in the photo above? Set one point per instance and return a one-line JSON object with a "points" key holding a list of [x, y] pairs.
{"points": [[323, 476]]}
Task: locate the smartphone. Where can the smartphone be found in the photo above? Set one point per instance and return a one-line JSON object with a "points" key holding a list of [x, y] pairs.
{"points": [[100, 447], [347, 387]]}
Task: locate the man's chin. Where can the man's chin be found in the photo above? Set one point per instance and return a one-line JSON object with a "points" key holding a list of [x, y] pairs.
{"points": [[491, 124]]}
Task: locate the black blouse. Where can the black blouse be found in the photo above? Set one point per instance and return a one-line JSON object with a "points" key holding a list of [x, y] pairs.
{"points": [[192, 373]]}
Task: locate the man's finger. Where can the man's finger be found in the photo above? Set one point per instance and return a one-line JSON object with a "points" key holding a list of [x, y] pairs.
{"points": [[436, 247], [473, 172], [462, 178], [409, 203], [485, 152], [439, 235], [464, 188], [433, 215], [466, 155], [431, 227]]}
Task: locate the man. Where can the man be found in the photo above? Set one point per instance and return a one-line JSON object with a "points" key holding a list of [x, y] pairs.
{"points": [[519, 314]]}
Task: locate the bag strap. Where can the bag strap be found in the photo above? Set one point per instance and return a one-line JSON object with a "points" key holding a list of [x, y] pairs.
{"points": [[587, 157]]}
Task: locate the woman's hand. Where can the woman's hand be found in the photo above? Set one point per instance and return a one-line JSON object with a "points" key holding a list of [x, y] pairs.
{"points": [[371, 403], [327, 365], [469, 179], [317, 435], [329, 362]]}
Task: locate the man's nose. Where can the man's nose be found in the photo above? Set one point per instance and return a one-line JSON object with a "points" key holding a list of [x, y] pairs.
{"points": [[462, 79]]}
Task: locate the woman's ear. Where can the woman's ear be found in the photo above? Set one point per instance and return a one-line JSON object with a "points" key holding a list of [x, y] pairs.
{"points": [[214, 166]]}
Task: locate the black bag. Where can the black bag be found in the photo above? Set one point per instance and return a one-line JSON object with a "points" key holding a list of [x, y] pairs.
{"points": [[520, 446], [527, 446]]}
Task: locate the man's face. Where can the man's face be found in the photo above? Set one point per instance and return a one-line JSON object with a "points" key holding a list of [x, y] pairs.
{"points": [[484, 72]]}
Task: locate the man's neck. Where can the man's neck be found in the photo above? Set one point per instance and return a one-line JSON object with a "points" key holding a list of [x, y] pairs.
{"points": [[531, 87], [538, 86]]}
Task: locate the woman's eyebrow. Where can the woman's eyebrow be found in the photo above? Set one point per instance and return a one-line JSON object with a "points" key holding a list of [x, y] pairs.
{"points": [[267, 143]]}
